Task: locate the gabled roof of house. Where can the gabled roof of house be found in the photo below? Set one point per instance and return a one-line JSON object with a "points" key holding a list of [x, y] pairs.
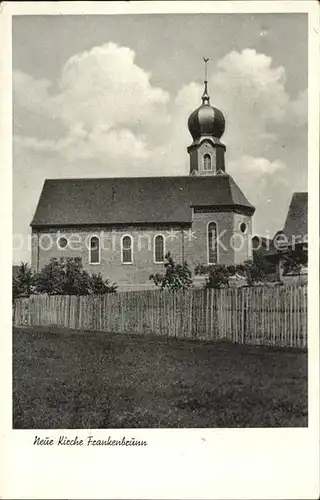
{"points": [[296, 224], [295, 227], [133, 200]]}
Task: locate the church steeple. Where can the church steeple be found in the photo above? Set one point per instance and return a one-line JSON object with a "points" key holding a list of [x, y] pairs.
{"points": [[206, 125]]}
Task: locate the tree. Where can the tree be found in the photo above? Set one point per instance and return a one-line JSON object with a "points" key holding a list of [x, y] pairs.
{"points": [[99, 286], [51, 278], [22, 281], [67, 277], [76, 281], [176, 276]]}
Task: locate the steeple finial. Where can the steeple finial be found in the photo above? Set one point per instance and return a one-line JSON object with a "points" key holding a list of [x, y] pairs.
{"points": [[205, 95]]}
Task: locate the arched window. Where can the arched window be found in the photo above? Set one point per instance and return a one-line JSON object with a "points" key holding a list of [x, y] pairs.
{"points": [[94, 250], [212, 243], [126, 250], [159, 249], [207, 162], [243, 227]]}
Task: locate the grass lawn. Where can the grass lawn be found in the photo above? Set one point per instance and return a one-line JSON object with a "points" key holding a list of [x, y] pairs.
{"points": [[89, 380]]}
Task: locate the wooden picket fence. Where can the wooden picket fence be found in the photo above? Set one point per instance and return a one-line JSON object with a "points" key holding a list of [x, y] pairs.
{"points": [[275, 316]]}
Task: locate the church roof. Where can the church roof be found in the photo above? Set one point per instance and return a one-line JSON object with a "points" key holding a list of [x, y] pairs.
{"points": [[296, 223], [133, 200]]}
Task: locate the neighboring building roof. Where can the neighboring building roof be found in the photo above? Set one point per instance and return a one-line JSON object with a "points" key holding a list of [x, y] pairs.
{"points": [[133, 200], [295, 227], [296, 224]]}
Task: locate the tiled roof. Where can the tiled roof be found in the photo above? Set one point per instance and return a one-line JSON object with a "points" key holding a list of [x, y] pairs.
{"points": [[133, 200]]}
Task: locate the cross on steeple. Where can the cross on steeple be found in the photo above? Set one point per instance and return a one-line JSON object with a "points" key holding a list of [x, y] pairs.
{"points": [[205, 95], [206, 68]]}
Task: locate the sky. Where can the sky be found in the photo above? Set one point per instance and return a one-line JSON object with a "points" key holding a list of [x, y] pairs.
{"points": [[109, 96]]}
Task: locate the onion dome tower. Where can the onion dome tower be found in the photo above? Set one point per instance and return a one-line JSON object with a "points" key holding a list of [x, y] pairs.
{"points": [[206, 125]]}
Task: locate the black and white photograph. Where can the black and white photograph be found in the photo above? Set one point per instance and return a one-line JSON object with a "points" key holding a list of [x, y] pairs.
{"points": [[160, 249], [160, 221]]}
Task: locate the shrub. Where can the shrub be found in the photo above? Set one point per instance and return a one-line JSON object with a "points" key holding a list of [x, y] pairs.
{"points": [[294, 260], [218, 275], [259, 269], [176, 276], [99, 286]]}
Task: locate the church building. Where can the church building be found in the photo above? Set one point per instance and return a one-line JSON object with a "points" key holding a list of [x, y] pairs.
{"points": [[123, 227]]}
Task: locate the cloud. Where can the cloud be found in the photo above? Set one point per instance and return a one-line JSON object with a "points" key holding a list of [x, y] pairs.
{"points": [[31, 92], [297, 111], [79, 144], [256, 166], [253, 83], [105, 104], [120, 144], [104, 86], [265, 184]]}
